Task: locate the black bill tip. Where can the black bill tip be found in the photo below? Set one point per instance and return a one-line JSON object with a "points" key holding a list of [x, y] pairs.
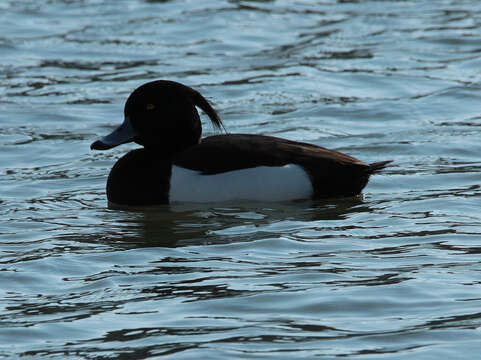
{"points": [[99, 145]]}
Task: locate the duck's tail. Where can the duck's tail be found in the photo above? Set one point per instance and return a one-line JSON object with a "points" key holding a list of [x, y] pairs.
{"points": [[378, 166]]}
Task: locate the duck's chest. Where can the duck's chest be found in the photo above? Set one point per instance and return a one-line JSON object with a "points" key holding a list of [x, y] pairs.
{"points": [[263, 183], [138, 178]]}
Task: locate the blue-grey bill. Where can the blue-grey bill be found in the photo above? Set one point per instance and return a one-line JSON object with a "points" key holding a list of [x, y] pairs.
{"points": [[123, 134]]}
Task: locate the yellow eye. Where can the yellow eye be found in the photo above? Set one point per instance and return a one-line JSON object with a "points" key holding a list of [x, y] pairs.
{"points": [[150, 107]]}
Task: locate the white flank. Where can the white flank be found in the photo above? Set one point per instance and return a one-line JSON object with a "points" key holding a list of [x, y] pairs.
{"points": [[263, 183]]}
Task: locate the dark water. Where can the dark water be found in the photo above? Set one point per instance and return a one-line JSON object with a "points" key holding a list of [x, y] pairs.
{"points": [[392, 275]]}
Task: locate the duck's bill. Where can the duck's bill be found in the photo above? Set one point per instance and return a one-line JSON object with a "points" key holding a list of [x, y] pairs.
{"points": [[123, 134]]}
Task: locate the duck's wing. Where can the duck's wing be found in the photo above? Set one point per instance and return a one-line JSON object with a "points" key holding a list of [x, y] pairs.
{"points": [[332, 173], [222, 153]]}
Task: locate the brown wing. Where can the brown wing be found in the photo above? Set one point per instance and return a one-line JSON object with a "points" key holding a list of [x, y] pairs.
{"points": [[221, 153], [332, 173]]}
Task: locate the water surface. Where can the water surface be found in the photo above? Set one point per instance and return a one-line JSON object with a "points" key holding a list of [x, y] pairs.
{"points": [[394, 274]]}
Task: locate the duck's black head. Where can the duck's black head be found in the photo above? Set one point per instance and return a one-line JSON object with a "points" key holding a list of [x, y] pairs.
{"points": [[162, 116]]}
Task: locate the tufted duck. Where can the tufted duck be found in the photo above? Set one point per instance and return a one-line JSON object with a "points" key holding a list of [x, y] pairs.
{"points": [[175, 164]]}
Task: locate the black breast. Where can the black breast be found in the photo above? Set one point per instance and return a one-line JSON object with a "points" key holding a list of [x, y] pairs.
{"points": [[140, 177]]}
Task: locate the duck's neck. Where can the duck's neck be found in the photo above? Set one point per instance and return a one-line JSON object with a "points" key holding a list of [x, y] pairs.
{"points": [[141, 177]]}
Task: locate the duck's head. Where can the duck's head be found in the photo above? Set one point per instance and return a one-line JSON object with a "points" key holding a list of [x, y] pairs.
{"points": [[162, 116]]}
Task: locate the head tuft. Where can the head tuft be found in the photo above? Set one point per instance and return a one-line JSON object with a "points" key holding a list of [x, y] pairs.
{"points": [[202, 102]]}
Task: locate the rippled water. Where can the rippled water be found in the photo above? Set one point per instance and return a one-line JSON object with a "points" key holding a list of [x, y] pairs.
{"points": [[392, 275]]}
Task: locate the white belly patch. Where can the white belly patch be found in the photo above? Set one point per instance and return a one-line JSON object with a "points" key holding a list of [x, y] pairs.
{"points": [[263, 183]]}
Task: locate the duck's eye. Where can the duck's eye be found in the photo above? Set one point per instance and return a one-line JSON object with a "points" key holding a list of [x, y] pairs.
{"points": [[149, 107]]}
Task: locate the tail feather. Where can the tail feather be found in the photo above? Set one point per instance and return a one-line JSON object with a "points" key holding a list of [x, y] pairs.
{"points": [[378, 166]]}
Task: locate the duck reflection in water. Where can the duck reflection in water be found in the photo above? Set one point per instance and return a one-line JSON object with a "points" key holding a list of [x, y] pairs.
{"points": [[220, 223]]}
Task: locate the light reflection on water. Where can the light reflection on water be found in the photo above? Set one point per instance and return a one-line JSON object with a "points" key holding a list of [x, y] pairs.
{"points": [[394, 273]]}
